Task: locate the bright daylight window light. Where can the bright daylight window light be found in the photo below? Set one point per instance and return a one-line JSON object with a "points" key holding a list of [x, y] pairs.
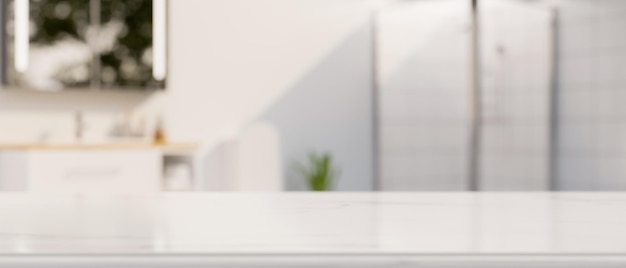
{"points": [[22, 34], [159, 62]]}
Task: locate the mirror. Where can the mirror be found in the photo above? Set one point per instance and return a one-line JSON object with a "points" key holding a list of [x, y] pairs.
{"points": [[53, 45]]}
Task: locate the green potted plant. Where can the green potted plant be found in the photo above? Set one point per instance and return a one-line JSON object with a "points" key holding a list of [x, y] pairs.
{"points": [[319, 172]]}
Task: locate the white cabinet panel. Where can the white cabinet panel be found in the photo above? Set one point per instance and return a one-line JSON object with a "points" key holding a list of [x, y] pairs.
{"points": [[85, 171], [13, 172]]}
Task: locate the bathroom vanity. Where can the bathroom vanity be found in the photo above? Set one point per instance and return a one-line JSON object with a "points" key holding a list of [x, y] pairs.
{"points": [[88, 168], [352, 230]]}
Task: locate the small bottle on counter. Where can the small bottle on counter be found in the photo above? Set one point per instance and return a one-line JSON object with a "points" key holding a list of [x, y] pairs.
{"points": [[159, 133]]}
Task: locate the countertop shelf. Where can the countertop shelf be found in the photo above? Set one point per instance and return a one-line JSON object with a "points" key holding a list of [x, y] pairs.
{"points": [[169, 147]]}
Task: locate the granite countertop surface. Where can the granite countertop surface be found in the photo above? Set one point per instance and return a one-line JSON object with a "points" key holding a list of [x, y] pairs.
{"points": [[314, 223]]}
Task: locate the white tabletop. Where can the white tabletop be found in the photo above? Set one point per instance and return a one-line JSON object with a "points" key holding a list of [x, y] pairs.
{"points": [[315, 223]]}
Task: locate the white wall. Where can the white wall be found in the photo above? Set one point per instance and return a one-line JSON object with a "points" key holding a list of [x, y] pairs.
{"points": [[302, 65], [592, 87], [27, 116], [424, 95]]}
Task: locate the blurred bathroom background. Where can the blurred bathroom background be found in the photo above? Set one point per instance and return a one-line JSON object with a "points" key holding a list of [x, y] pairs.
{"points": [[254, 95]]}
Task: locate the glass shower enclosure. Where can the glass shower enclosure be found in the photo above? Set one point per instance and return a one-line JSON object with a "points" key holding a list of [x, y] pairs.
{"points": [[498, 95]]}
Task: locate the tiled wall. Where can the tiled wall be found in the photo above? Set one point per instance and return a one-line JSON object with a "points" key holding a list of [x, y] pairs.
{"points": [[425, 98], [515, 75], [591, 92], [424, 101], [424, 94], [592, 142]]}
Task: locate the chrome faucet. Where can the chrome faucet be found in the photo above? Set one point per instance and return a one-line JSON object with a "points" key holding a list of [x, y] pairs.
{"points": [[80, 126]]}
